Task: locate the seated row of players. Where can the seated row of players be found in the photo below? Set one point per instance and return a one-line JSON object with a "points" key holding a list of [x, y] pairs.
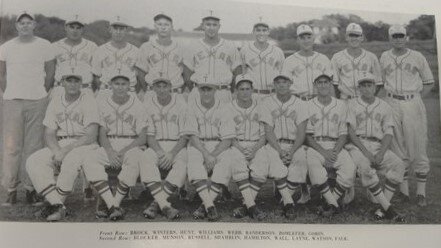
{"points": [[282, 138]]}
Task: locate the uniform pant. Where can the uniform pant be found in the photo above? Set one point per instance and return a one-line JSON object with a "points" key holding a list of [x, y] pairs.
{"points": [[410, 136], [196, 169], [345, 167], [40, 167], [23, 134], [391, 166], [149, 169], [273, 167]]}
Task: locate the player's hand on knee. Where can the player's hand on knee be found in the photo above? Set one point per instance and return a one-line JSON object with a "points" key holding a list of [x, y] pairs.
{"points": [[379, 157], [114, 159], [166, 162], [210, 162]]}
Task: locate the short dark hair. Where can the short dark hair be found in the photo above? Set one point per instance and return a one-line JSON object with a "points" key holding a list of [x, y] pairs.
{"points": [[162, 16]]}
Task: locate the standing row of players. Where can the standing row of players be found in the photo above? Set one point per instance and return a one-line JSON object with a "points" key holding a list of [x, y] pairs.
{"points": [[118, 67]]}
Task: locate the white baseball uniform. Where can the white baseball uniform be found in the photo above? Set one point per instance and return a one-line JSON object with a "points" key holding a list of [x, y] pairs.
{"points": [[347, 68], [70, 120], [404, 77], [215, 63], [371, 123], [301, 69], [327, 124], [162, 60], [108, 59], [123, 124], [264, 65], [168, 124], [211, 126], [284, 118]]}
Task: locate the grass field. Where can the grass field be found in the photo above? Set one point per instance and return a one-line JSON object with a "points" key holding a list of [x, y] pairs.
{"points": [[358, 212]]}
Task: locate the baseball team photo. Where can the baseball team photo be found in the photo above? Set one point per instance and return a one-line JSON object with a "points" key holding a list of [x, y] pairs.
{"points": [[229, 111]]}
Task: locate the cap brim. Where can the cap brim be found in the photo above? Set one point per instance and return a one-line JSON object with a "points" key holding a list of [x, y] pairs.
{"points": [[122, 24], [211, 18], [261, 24], [162, 16], [72, 76], [23, 15], [120, 76], [161, 81], [244, 81], [75, 22], [305, 32], [323, 76], [366, 80], [281, 76]]}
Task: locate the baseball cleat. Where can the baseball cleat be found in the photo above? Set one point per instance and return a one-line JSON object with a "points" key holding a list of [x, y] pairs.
{"points": [[199, 213], [11, 200], [102, 211], [421, 201], [116, 213], [58, 214], [256, 213], [34, 199], [212, 214], [329, 210], [379, 214], [88, 195], [289, 211], [391, 214], [152, 210], [402, 197], [45, 211], [171, 213], [240, 212]]}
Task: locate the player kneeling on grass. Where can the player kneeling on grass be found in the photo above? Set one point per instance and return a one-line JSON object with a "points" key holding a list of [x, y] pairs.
{"points": [[211, 128], [246, 147], [166, 153], [71, 126], [327, 134], [122, 135], [284, 117], [371, 132]]}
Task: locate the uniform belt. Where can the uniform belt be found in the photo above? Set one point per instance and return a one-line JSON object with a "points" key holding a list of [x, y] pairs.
{"points": [[369, 138], [401, 97], [325, 138], [246, 140], [221, 87], [122, 136], [177, 90], [266, 92], [61, 137], [286, 141], [107, 87], [167, 140], [304, 98], [210, 139]]}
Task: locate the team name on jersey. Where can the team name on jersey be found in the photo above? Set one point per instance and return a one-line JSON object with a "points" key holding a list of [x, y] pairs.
{"points": [[202, 55], [301, 68], [365, 116], [283, 113], [83, 57], [173, 118], [408, 67], [72, 115], [155, 58], [267, 60], [112, 60], [124, 117], [333, 119], [240, 119]]}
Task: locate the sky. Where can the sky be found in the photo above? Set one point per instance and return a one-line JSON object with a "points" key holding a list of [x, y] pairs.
{"points": [[237, 16]]}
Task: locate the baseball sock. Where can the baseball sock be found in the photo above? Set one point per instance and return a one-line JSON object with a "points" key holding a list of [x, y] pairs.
{"points": [[339, 190], [379, 196], [305, 196], [214, 191], [389, 189], [169, 188], [293, 187], [103, 189], [158, 194], [122, 190], [404, 186], [421, 183], [202, 189], [255, 187], [51, 195], [63, 193], [283, 189], [327, 194], [245, 190]]}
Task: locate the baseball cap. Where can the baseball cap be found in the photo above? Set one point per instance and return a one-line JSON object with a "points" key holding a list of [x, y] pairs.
{"points": [[162, 16], [119, 21], [75, 19], [244, 78], [120, 74], [321, 74], [281, 75], [397, 29], [354, 28], [68, 72], [304, 29], [261, 24], [23, 14], [365, 77], [203, 80], [211, 16]]}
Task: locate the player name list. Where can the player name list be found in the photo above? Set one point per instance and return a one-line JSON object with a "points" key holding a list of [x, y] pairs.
{"points": [[252, 235]]}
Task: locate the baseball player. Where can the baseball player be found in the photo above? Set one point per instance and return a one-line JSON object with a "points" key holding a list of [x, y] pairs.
{"points": [[371, 130], [348, 63], [167, 149], [74, 51], [327, 134], [122, 136], [246, 147], [213, 58], [405, 73], [27, 68], [117, 54], [284, 117], [71, 125], [211, 128], [162, 55], [301, 65], [263, 60]]}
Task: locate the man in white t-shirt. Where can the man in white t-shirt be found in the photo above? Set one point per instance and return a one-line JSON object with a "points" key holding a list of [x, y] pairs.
{"points": [[27, 69]]}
